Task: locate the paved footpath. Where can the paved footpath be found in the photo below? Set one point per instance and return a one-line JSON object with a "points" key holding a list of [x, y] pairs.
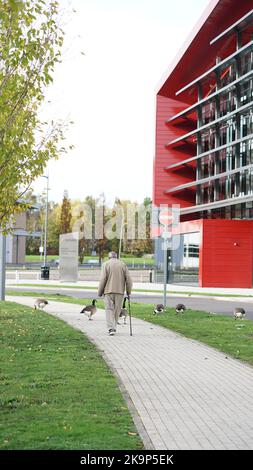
{"points": [[182, 394]]}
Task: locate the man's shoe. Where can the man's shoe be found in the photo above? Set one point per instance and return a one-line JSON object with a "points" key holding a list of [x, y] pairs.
{"points": [[111, 332]]}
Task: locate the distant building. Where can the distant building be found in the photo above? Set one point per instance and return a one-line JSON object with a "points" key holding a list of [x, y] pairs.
{"points": [[16, 241], [204, 148]]}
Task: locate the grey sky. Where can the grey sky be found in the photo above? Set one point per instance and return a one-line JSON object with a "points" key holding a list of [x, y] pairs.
{"points": [[109, 92]]}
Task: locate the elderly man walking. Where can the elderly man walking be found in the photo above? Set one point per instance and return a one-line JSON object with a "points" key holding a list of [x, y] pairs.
{"points": [[115, 280]]}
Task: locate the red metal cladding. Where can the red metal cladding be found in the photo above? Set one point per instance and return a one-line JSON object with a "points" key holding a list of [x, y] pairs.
{"points": [[164, 179], [196, 56], [225, 252]]}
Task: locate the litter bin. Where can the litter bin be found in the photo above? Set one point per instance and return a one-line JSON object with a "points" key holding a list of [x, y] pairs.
{"points": [[151, 275], [45, 272]]}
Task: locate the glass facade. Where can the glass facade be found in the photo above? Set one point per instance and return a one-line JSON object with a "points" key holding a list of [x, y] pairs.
{"points": [[227, 171], [223, 140], [184, 266]]}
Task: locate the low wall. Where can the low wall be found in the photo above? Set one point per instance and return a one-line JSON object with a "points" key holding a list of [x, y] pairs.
{"points": [[140, 275]]}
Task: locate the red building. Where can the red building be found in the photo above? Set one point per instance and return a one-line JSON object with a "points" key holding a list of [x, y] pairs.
{"points": [[204, 147]]}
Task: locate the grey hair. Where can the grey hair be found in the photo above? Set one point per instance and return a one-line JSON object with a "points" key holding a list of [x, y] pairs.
{"points": [[112, 254]]}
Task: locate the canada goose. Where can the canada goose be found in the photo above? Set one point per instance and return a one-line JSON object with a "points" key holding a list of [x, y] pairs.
{"points": [[159, 308], [40, 303], [123, 311], [90, 310], [239, 313], [180, 308]]}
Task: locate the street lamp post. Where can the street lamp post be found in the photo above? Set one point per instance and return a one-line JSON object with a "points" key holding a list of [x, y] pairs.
{"points": [[120, 239], [121, 235], [46, 220], [2, 265], [165, 270]]}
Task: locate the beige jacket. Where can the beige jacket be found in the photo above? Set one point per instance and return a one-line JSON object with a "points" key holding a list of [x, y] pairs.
{"points": [[115, 278]]}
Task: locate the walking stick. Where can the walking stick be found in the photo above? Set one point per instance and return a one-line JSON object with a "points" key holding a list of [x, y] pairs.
{"points": [[130, 318]]}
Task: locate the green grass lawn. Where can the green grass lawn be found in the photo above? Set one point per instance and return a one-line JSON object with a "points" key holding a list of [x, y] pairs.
{"points": [[56, 390], [234, 337], [38, 258]]}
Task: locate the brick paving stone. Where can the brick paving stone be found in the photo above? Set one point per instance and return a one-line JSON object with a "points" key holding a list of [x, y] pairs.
{"points": [[186, 394]]}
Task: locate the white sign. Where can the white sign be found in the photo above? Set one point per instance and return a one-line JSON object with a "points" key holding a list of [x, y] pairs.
{"points": [[166, 235], [41, 249], [166, 217], [69, 257]]}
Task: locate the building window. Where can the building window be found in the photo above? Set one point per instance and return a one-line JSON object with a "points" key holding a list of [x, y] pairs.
{"points": [[246, 92], [185, 259], [228, 102], [227, 131], [208, 140], [191, 251], [246, 124], [227, 75], [208, 112], [246, 63]]}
